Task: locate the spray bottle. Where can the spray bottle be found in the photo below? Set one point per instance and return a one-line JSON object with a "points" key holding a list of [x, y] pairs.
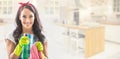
{"points": [[25, 52]]}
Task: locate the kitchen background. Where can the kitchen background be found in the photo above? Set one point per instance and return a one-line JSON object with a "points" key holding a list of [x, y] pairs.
{"points": [[81, 29]]}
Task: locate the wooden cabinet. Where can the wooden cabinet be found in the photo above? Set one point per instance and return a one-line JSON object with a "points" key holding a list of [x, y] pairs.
{"points": [[93, 39]]}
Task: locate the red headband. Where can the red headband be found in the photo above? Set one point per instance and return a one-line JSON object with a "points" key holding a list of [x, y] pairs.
{"points": [[23, 4]]}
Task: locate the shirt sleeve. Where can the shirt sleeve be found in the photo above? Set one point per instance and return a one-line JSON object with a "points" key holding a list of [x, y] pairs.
{"points": [[10, 37]]}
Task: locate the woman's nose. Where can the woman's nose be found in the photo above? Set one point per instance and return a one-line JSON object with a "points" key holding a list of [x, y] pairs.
{"points": [[27, 20]]}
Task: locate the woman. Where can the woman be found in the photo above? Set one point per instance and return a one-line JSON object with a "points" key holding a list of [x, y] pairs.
{"points": [[27, 21]]}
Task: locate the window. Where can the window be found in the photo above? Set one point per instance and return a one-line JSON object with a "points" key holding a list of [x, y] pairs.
{"points": [[116, 5], [6, 7]]}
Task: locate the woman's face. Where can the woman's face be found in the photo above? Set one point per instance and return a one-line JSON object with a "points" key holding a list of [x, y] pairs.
{"points": [[27, 18]]}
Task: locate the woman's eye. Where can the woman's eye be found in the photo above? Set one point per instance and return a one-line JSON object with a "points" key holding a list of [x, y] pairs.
{"points": [[24, 16], [31, 16]]}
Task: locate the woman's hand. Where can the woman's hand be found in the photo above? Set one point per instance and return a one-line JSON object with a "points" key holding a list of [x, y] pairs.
{"points": [[39, 46], [23, 41]]}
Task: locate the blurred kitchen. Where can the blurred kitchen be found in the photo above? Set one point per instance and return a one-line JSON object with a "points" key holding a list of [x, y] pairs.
{"points": [[75, 29]]}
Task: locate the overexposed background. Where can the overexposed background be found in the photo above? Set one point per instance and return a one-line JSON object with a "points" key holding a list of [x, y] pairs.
{"points": [[88, 12]]}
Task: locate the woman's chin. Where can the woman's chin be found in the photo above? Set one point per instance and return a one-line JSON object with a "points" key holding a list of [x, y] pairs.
{"points": [[28, 27]]}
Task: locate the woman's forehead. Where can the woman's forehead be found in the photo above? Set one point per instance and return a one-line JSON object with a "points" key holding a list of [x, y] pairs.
{"points": [[26, 11]]}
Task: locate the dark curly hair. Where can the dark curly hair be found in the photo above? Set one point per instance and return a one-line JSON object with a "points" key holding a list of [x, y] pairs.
{"points": [[36, 28]]}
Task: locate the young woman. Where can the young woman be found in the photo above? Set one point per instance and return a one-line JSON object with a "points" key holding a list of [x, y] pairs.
{"points": [[27, 21]]}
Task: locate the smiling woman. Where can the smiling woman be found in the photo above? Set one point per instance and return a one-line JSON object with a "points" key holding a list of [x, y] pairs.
{"points": [[28, 22], [27, 18]]}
